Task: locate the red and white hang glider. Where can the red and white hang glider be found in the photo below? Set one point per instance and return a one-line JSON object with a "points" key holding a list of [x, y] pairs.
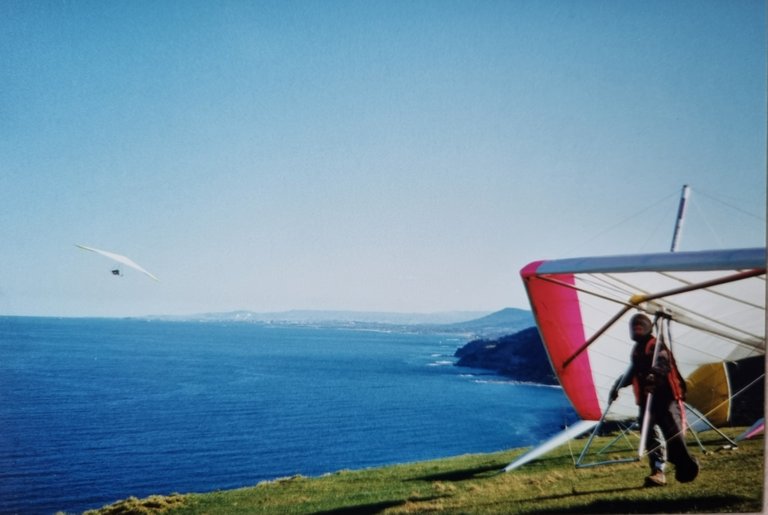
{"points": [[714, 299], [120, 259]]}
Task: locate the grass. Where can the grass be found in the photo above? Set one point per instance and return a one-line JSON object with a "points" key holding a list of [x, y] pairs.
{"points": [[731, 481]]}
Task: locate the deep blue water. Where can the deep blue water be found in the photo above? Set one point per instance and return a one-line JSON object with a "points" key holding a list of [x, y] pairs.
{"points": [[96, 410]]}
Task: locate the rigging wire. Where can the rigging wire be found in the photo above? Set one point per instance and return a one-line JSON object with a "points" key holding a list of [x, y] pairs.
{"points": [[714, 292], [729, 399], [627, 219], [735, 208], [656, 230], [661, 221], [665, 324], [635, 303], [715, 236]]}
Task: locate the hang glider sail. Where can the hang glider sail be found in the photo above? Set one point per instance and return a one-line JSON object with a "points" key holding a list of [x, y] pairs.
{"points": [[714, 299], [120, 259]]}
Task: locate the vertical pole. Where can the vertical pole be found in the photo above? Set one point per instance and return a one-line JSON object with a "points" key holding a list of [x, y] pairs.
{"points": [[649, 397], [680, 218]]}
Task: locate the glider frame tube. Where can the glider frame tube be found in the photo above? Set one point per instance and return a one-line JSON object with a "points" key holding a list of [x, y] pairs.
{"points": [[576, 430], [636, 301]]}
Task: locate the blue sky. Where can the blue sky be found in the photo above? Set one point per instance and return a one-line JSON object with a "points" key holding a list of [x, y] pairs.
{"points": [[372, 155]]}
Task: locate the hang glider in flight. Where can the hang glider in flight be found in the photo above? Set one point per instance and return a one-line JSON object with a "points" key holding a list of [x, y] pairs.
{"points": [[120, 259], [715, 304]]}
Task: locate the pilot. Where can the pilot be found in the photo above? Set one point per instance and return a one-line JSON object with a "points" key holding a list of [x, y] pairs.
{"points": [[660, 378]]}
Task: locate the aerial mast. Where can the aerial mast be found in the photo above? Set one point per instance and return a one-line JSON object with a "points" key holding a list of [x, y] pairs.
{"points": [[680, 218]]}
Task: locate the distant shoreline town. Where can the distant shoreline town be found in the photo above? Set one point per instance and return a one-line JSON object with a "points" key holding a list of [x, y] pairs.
{"points": [[471, 324]]}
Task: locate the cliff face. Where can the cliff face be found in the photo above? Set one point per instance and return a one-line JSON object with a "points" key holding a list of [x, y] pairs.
{"points": [[520, 356]]}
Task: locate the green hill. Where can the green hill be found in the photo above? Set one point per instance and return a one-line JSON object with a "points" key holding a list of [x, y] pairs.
{"points": [[499, 323], [731, 481]]}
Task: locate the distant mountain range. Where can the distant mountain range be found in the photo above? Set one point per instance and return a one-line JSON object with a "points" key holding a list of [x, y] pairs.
{"points": [[465, 323]]}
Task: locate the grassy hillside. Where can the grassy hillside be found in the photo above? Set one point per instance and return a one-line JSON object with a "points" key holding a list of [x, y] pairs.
{"points": [[731, 481]]}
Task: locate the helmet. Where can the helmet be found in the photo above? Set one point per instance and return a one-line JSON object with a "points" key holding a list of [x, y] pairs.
{"points": [[642, 320]]}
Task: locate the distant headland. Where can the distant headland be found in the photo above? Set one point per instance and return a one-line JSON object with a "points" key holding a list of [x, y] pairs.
{"points": [[520, 356]]}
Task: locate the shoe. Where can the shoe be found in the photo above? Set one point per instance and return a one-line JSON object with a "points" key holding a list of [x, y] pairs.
{"points": [[687, 473], [656, 479]]}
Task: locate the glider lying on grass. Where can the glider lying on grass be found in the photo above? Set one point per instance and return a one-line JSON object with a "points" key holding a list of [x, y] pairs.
{"points": [[120, 259], [714, 305]]}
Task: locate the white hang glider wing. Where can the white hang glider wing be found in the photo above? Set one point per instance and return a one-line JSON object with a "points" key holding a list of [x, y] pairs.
{"points": [[582, 307], [120, 259]]}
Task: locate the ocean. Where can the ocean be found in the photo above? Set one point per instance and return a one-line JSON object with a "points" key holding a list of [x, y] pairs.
{"points": [[97, 410]]}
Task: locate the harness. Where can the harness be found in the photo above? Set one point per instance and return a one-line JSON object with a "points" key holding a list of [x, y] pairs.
{"points": [[673, 377]]}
